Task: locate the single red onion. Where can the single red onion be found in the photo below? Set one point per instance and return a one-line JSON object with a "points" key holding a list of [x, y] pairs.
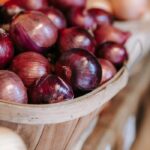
{"points": [[6, 49], [80, 69], [115, 53], [67, 4], [76, 37], [12, 88], [101, 16], [80, 17], [33, 31], [30, 66], [33, 4], [50, 89], [108, 70], [9, 10], [55, 16], [108, 33]]}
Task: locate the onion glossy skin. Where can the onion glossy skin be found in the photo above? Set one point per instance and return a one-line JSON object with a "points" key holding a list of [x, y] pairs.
{"points": [[67, 4], [30, 66], [33, 31], [108, 70], [115, 53], [6, 49], [80, 69], [56, 17], [80, 17], [33, 4], [12, 88], [76, 37], [50, 89], [101, 16], [108, 33]]}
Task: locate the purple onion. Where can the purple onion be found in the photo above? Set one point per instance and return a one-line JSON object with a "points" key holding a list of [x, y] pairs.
{"points": [[6, 49], [33, 31], [56, 17], [12, 88], [50, 89], [76, 37], [80, 69]]}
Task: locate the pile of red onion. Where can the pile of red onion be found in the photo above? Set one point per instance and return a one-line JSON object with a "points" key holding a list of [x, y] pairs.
{"points": [[53, 50]]}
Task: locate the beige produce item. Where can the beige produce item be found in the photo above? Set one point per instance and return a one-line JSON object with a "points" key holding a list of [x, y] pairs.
{"points": [[104, 4], [9, 140]]}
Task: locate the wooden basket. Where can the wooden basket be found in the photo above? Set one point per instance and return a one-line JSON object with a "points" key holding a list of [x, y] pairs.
{"points": [[59, 126]]}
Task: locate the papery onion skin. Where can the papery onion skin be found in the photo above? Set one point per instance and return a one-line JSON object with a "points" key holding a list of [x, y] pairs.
{"points": [[6, 49], [81, 18], [80, 69], [56, 17], [33, 31], [67, 4], [129, 9], [108, 70], [33, 4], [108, 33], [115, 53], [30, 66], [9, 10], [12, 88], [76, 37], [101, 16], [50, 89]]}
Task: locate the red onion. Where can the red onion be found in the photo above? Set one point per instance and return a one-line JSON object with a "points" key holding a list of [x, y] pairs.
{"points": [[67, 4], [80, 69], [33, 4], [9, 10], [33, 31], [56, 17], [76, 37], [6, 49], [12, 88], [30, 66], [101, 16], [50, 89], [115, 53], [80, 17], [108, 33], [108, 70]]}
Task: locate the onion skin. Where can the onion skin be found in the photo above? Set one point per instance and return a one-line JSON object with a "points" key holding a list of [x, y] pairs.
{"points": [[76, 37], [67, 4], [50, 89], [129, 9], [12, 88], [33, 31], [81, 18], [6, 49], [33, 4], [101, 16], [80, 69], [108, 33], [115, 53], [56, 17], [30, 66], [108, 70]]}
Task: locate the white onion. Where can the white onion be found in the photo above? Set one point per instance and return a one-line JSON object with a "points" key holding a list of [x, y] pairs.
{"points": [[129, 9], [103, 4], [9, 140]]}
